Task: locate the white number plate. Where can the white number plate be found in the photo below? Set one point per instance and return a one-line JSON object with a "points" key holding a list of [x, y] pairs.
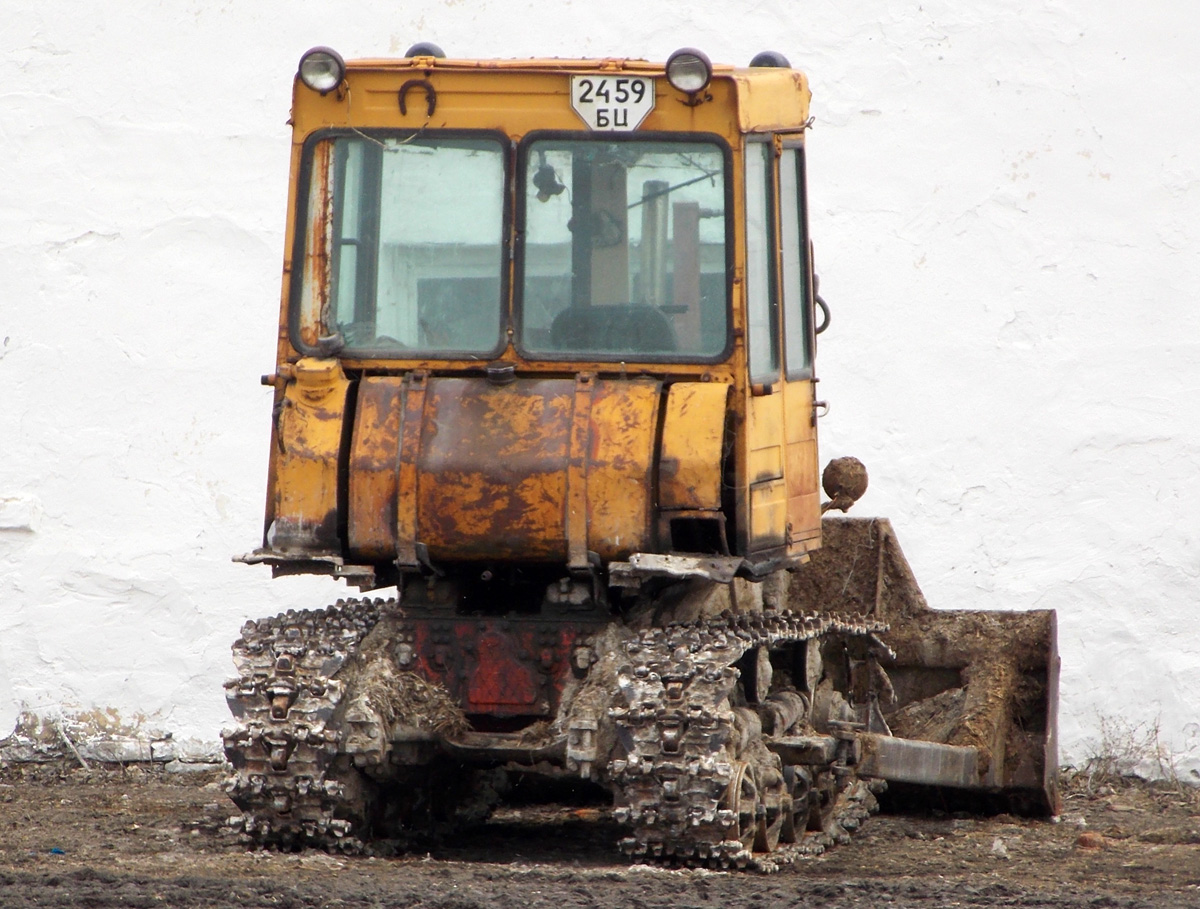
{"points": [[612, 102]]}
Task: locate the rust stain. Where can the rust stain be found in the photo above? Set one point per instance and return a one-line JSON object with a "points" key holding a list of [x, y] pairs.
{"points": [[497, 463], [623, 421], [505, 667], [411, 426], [310, 436], [489, 471], [315, 290], [373, 476]]}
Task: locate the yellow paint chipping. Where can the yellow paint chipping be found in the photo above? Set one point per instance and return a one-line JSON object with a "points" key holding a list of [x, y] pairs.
{"points": [[689, 471]]}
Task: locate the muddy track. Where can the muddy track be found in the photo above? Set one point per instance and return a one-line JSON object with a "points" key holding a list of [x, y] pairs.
{"points": [[136, 838]]}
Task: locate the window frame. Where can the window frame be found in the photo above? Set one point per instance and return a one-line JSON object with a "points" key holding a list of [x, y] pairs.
{"points": [[300, 230], [808, 369], [521, 166], [765, 142]]}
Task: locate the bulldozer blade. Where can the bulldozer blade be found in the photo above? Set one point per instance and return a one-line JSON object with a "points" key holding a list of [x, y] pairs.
{"points": [[972, 679]]}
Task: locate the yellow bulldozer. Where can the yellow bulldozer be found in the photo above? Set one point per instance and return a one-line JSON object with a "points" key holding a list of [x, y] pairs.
{"points": [[546, 372]]}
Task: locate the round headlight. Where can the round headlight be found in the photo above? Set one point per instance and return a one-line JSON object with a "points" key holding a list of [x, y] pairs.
{"points": [[689, 70], [771, 58], [425, 49], [322, 69]]}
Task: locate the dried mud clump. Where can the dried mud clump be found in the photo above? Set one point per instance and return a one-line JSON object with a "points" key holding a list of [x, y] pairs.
{"points": [[398, 696]]}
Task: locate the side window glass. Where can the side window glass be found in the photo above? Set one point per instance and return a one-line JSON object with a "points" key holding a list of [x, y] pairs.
{"points": [[355, 230], [761, 307], [797, 308]]}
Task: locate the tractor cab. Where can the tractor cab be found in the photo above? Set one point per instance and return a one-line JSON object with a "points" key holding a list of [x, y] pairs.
{"points": [[544, 312]]}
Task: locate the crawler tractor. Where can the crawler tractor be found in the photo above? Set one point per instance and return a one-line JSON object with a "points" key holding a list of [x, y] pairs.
{"points": [[546, 372]]}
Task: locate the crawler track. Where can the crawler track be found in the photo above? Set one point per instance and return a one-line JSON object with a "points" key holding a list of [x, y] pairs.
{"points": [[696, 781], [290, 777]]}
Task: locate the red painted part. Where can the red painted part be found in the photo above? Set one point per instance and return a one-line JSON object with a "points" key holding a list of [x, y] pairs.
{"points": [[503, 667]]}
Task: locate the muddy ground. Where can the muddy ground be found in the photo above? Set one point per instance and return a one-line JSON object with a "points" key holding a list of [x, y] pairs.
{"points": [[138, 837]]}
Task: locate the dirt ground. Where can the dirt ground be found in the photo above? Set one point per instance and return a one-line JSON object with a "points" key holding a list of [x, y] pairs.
{"points": [[139, 837]]}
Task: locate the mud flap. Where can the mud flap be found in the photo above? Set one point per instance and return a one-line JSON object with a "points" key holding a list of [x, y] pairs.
{"points": [[971, 678]]}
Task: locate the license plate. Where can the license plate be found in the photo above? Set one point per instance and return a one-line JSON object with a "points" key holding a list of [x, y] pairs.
{"points": [[612, 102]]}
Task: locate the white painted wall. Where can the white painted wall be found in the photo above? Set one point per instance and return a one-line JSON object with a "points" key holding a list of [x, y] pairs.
{"points": [[1005, 206]]}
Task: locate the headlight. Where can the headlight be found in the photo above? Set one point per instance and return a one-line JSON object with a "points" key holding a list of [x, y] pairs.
{"points": [[689, 70], [771, 58], [425, 49], [322, 69]]}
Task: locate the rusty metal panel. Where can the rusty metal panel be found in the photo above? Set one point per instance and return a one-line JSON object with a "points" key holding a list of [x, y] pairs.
{"points": [[309, 438], [501, 681], [577, 474], [412, 422], [535, 470], [624, 418], [373, 453], [492, 468], [689, 469], [497, 666]]}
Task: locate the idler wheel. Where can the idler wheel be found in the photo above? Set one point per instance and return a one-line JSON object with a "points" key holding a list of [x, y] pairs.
{"points": [[742, 799], [797, 785]]}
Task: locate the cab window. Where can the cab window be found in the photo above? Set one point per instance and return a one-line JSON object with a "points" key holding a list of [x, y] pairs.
{"points": [[797, 305], [623, 252], [413, 227]]}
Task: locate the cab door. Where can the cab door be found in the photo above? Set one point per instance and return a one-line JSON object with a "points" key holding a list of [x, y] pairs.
{"points": [[766, 426], [784, 506]]}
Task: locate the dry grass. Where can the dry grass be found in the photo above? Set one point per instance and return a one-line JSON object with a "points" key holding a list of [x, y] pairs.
{"points": [[1125, 752]]}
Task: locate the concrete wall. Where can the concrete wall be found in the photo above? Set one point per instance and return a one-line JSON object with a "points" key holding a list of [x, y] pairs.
{"points": [[1005, 210]]}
